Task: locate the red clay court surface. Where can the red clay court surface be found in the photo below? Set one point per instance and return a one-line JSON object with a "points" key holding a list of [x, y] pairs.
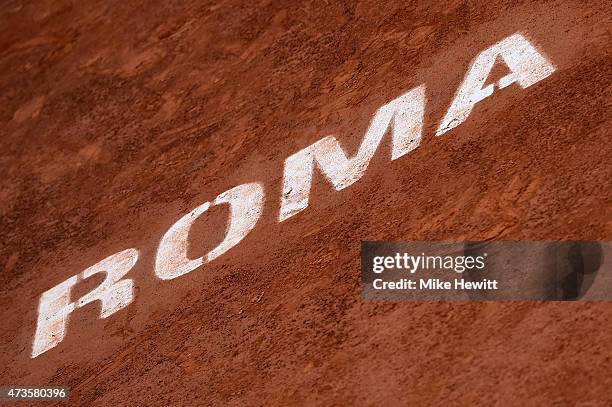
{"points": [[118, 117]]}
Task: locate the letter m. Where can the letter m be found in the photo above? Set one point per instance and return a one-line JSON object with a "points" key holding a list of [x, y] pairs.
{"points": [[404, 114]]}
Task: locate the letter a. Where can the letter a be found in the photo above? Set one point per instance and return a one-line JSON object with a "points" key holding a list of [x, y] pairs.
{"points": [[528, 67]]}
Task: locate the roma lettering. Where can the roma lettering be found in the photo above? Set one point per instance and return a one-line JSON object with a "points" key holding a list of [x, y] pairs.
{"points": [[402, 119]]}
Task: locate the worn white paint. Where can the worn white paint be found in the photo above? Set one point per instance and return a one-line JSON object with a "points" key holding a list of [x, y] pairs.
{"points": [[114, 292], [55, 307], [403, 115], [528, 67], [407, 114], [172, 260], [246, 205]]}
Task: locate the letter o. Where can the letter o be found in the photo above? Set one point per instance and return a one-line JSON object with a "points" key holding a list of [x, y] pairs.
{"points": [[246, 204]]}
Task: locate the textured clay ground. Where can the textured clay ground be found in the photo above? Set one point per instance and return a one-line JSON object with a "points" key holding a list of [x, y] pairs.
{"points": [[118, 117]]}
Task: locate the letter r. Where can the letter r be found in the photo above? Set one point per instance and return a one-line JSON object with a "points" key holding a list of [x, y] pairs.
{"points": [[55, 307], [527, 67]]}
